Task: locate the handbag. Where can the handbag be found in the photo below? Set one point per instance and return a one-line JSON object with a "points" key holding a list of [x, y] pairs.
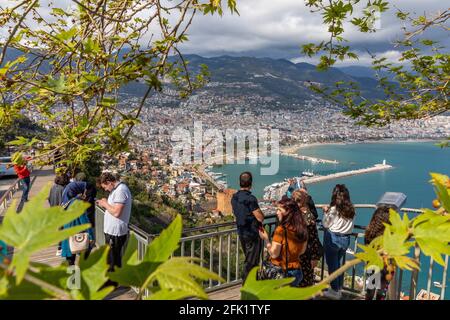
{"points": [[268, 270], [79, 242]]}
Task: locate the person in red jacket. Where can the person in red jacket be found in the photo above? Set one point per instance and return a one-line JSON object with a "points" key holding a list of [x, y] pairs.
{"points": [[24, 175]]}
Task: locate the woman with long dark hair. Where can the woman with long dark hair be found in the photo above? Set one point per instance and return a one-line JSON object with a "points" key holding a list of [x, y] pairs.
{"points": [[314, 249], [290, 236], [338, 221], [374, 230]]}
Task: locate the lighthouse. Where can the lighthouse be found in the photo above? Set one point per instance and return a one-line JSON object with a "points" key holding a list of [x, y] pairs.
{"points": [[384, 162]]}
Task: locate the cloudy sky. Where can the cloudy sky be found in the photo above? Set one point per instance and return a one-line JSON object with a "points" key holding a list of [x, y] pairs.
{"points": [[277, 28]]}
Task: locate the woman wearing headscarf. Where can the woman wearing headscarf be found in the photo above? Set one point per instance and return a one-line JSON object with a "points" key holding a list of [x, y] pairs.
{"points": [[77, 190]]}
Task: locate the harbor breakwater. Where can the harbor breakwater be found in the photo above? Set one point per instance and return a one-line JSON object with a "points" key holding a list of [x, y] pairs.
{"points": [[277, 190]]}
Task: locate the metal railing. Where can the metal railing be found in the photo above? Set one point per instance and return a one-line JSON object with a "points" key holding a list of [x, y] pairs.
{"points": [[218, 248], [8, 195], [5, 199]]}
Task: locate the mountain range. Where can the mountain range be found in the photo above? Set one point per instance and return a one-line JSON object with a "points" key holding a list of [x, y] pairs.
{"points": [[278, 79]]}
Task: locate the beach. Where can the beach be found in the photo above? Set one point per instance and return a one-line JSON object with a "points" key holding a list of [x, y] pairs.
{"points": [[286, 150]]}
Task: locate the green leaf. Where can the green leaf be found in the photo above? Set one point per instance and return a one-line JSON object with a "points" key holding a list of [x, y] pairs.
{"points": [[180, 274], [37, 228], [370, 256], [166, 243], [432, 233], [398, 224], [407, 263], [441, 182], [136, 273], [64, 36], [24, 291], [107, 101], [276, 289], [93, 276], [394, 244], [58, 85], [58, 11], [18, 142]]}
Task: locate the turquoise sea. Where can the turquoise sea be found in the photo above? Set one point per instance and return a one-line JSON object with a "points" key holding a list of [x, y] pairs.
{"points": [[412, 162]]}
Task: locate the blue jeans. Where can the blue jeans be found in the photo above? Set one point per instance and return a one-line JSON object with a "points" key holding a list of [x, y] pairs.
{"points": [[297, 274], [25, 188], [335, 246]]}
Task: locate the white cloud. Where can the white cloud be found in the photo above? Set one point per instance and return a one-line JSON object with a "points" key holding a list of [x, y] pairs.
{"points": [[277, 28]]}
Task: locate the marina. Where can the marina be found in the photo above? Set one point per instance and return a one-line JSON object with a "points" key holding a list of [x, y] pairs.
{"points": [[376, 167], [277, 190], [312, 159]]}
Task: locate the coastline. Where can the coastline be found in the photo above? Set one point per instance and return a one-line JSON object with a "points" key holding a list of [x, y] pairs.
{"points": [[296, 147]]}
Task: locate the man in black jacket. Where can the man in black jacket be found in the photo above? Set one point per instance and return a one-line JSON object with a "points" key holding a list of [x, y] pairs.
{"points": [[249, 218]]}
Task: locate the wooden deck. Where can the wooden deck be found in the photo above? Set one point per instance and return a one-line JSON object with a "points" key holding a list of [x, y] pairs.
{"points": [[40, 179], [230, 293]]}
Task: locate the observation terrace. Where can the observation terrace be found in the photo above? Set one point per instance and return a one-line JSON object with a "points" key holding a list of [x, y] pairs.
{"points": [[219, 250]]}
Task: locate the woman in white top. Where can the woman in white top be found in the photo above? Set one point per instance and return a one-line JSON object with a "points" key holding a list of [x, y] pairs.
{"points": [[338, 221]]}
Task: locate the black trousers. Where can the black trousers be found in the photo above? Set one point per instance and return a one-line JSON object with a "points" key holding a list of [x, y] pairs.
{"points": [[72, 258], [116, 244], [252, 251]]}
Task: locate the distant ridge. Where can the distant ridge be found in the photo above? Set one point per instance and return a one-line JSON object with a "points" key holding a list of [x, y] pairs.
{"points": [[276, 79]]}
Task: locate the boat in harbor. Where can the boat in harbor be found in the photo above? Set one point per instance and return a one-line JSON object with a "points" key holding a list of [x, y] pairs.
{"points": [[308, 173]]}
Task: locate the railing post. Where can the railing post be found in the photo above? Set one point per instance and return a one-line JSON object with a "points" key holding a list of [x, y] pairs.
{"points": [[399, 285], [392, 290], [99, 234], [444, 279], [211, 259], [229, 258], [430, 277], [414, 275], [220, 256]]}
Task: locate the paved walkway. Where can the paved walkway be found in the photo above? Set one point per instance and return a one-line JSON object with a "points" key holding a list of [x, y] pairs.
{"points": [[39, 179]]}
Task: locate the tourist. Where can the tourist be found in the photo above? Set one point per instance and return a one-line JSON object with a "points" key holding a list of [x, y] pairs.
{"points": [[290, 237], [91, 194], [72, 192], [314, 250], [249, 219], [19, 162], [117, 216], [56, 192], [376, 229], [55, 197], [80, 176], [338, 221], [296, 184], [293, 185]]}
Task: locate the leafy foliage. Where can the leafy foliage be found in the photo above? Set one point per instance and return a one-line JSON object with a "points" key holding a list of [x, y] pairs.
{"points": [[276, 289], [429, 230], [166, 277], [159, 273], [37, 228], [421, 77], [69, 64]]}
